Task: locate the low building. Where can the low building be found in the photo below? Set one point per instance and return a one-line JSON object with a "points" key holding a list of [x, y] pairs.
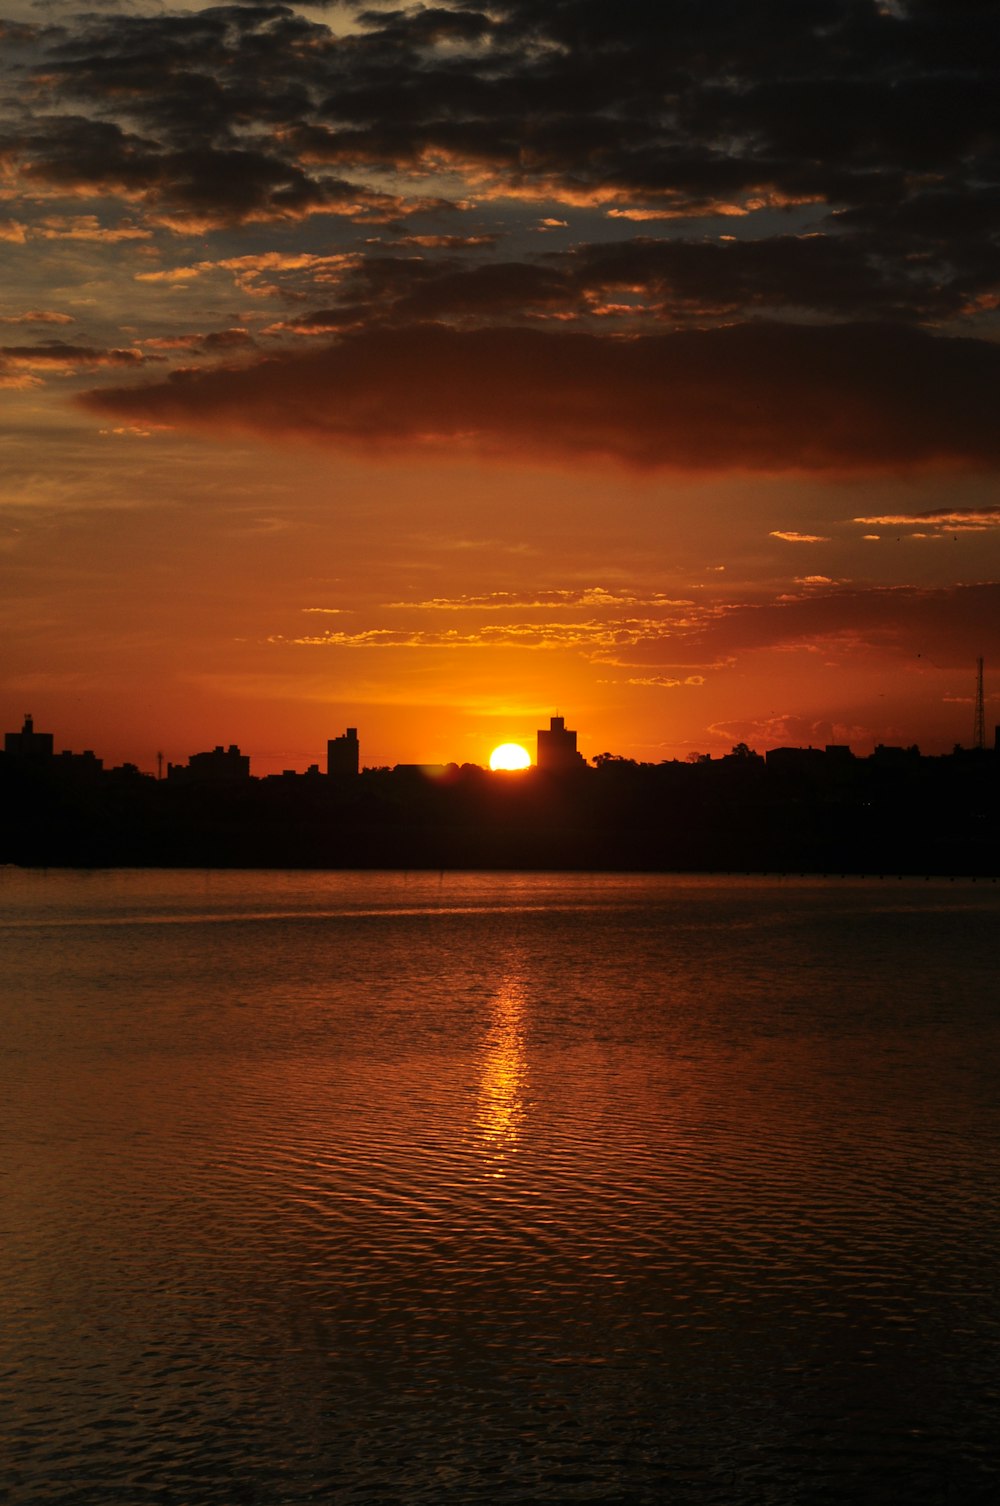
{"points": [[220, 766]]}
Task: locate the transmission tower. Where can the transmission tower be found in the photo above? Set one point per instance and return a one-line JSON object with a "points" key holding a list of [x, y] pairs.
{"points": [[979, 731]]}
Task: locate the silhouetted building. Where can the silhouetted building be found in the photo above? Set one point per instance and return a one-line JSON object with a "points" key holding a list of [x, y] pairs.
{"points": [[895, 758], [343, 754], [292, 776], [221, 766], [28, 743], [556, 748], [35, 748], [85, 765], [795, 760]]}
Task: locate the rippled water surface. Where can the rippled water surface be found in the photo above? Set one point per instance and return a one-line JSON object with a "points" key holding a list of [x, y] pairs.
{"points": [[375, 1188]]}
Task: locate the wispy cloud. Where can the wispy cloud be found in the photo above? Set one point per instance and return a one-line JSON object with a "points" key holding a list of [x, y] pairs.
{"points": [[665, 682], [37, 316], [791, 536], [563, 597], [948, 519]]}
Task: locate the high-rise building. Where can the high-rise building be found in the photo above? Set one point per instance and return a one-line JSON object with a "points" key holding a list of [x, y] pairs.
{"points": [[343, 754], [556, 748]]}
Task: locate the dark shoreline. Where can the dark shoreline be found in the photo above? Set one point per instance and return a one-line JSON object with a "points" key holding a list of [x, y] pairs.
{"points": [[909, 815]]}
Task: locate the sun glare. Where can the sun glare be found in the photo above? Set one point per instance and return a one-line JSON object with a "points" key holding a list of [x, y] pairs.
{"points": [[510, 756]]}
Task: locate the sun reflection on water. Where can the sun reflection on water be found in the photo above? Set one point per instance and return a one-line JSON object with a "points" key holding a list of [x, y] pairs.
{"points": [[500, 1111]]}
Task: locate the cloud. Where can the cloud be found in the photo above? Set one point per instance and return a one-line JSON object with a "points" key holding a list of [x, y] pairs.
{"points": [[215, 343], [761, 396], [37, 316], [792, 731], [944, 625], [790, 536], [676, 643], [196, 188], [86, 227], [642, 283], [665, 682], [63, 359], [882, 121], [445, 242], [592, 637], [497, 601], [947, 519]]}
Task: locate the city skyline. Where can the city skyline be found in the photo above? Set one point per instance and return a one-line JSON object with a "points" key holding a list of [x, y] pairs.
{"points": [[555, 752], [429, 370]]}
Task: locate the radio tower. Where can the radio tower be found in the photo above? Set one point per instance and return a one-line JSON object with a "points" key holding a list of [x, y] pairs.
{"points": [[979, 731]]}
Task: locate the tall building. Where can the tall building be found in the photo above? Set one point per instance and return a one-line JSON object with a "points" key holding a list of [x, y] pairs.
{"points": [[343, 754], [28, 743], [556, 748]]}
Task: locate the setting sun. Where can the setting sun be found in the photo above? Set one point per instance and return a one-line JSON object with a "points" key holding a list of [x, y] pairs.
{"points": [[510, 756]]}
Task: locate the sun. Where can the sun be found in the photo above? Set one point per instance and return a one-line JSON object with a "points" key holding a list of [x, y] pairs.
{"points": [[510, 756]]}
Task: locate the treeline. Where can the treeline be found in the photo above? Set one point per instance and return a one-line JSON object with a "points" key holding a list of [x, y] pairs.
{"points": [[905, 815]]}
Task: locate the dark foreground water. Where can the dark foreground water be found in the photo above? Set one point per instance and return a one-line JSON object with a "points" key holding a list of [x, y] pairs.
{"points": [[489, 1188]]}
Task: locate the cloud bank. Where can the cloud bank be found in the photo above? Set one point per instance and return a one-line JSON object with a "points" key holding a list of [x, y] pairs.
{"points": [[757, 396]]}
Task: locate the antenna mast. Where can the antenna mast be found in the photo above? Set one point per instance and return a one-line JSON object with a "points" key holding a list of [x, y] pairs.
{"points": [[979, 730]]}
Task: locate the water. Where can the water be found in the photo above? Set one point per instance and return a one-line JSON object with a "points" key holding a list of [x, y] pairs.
{"points": [[382, 1188]]}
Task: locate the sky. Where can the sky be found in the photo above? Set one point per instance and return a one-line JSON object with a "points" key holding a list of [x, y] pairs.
{"points": [[434, 369]]}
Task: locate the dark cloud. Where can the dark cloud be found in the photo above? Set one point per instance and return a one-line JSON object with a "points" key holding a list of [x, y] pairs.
{"points": [[685, 96], [881, 123], [643, 280], [759, 396], [199, 186], [445, 242], [227, 339]]}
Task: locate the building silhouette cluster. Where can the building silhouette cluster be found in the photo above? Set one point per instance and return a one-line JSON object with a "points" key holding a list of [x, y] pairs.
{"points": [[813, 809]]}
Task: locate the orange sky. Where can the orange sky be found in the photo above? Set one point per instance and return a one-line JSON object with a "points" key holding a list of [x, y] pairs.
{"points": [[468, 365]]}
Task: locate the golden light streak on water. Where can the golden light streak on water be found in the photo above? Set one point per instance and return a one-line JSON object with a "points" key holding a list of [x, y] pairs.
{"points": [[500, 1106]]}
